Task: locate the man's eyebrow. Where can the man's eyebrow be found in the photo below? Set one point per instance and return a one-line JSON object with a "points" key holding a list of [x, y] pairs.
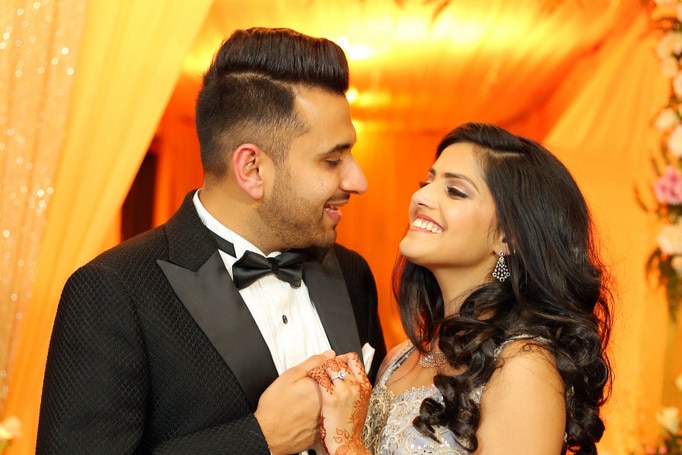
{"points": [[339, 148]]}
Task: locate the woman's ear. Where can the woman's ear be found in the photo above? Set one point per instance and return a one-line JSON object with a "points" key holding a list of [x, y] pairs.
{"points": [[501, 244], [504, 248], [246, 162]]}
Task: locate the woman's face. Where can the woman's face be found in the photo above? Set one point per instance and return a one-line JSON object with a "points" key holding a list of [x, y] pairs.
{"points": [[453, 224]]}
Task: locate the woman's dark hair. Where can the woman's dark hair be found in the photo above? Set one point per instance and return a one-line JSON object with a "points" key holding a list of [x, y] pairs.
{"points": [[248, 92], [558, 292]]}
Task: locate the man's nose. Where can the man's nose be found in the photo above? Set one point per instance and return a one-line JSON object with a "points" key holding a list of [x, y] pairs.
{"points": [[354, 180]]}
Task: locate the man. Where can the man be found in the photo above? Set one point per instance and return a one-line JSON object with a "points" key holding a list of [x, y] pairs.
{"points": [[166, 344]]}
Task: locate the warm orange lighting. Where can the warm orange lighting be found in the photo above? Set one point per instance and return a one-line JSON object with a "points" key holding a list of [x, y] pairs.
{"points": [[197, 62], [359, 125], [373, 98], [355, 51], [352, 95]]}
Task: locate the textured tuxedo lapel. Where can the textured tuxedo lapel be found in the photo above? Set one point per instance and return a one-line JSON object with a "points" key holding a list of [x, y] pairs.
{"points": [[328, 291], [216, 306], [198, 276]]}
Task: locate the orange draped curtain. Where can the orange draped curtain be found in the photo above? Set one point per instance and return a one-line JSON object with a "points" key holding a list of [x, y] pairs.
{"points": [[127, 56], [606, 139]]}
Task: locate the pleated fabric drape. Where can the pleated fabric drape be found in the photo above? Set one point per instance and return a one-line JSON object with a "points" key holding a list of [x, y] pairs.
{"points": [[605, 137], [130, 54]]}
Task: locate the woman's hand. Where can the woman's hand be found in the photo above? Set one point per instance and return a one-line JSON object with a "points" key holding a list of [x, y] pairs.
{"points": [[345, 392]]}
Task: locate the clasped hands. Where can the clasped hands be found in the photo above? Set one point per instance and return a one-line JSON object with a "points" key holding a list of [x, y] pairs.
{"points": [[296, 413]]}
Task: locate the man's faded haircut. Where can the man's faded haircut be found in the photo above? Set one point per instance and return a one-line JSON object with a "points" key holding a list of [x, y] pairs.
{"points": [[248, 96]]}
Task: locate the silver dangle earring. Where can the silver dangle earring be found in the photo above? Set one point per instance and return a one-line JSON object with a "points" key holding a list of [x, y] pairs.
{"points": [[501, 271]]}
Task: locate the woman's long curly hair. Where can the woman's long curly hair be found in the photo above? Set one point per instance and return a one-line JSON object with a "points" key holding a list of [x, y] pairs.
{"points": [[558, 291]]}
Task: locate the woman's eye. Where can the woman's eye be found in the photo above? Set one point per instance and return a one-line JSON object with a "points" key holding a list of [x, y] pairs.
{"points": [[452, 191], [422, 184]]}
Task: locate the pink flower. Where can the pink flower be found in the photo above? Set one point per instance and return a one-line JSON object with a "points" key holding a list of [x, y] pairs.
{"points": [[668, 188]]}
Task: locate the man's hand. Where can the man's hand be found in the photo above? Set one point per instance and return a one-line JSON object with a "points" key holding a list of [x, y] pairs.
{"points": [[289, 410]]}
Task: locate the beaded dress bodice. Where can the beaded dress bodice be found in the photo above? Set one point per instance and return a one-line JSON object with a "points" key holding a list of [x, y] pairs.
{"points": [[388, 428]]}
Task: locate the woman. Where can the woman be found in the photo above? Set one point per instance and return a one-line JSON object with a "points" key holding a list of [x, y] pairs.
{"points": [[505, 302]]}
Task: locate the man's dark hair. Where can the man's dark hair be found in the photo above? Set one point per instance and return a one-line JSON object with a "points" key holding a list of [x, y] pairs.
{"points": [[248, 92]]}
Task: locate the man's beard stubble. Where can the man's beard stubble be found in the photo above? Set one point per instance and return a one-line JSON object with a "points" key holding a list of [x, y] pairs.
{"points": [[295, 222]]}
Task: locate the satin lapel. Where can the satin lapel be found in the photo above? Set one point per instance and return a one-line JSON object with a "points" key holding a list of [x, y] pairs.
{"points": [[328, 291], [215, 304]]}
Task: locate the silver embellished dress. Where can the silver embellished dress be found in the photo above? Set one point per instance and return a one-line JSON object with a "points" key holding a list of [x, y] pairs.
{"points": [[388, 428]]}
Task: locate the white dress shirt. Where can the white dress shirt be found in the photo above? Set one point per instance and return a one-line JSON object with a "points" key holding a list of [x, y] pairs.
{"points": [[286, 317]]}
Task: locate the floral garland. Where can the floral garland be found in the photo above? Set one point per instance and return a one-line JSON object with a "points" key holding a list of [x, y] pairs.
{"points": [[666, 259]]}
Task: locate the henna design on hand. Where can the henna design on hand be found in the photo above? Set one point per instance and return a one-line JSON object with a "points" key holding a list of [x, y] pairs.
{"points": [[323, 434], [350, 441], [319, 374]]}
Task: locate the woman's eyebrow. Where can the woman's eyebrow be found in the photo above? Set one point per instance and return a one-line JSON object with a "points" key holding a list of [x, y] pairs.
{"points": [[454, 175]]}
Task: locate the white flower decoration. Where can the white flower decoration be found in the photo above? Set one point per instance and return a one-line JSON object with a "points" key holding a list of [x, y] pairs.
{"points": [[667, 119], [670, 44], [669, 418], [675, 141], [670, 239], [666, 3], [10, 428], [676, 263], [677, 84], [670, 66]]}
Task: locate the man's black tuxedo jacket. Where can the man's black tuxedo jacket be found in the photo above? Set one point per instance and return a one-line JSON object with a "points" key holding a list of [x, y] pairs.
{"points": [[154, 351]]}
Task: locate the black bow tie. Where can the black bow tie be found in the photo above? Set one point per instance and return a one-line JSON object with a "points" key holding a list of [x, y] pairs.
{"points": [[252, 266]]}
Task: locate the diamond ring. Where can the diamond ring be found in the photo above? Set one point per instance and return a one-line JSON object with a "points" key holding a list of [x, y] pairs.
{"points": [[341, 375]]}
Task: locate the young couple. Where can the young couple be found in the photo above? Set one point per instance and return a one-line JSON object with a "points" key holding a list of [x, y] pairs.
{"points": [[174, 342], [505, 304]]}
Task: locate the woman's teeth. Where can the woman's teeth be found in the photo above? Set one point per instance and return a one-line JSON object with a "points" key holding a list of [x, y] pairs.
{"points": [[427, 226]]}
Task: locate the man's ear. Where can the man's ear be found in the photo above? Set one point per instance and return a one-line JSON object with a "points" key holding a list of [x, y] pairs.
{"points": [[246, 162]]}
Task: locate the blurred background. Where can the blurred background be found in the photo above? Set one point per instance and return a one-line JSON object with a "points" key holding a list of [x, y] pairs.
{"points": [[97, 143]]}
